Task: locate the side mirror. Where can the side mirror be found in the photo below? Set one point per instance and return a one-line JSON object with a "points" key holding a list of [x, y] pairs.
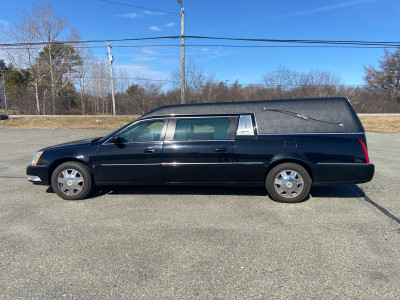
{"points": [[117, 140]]}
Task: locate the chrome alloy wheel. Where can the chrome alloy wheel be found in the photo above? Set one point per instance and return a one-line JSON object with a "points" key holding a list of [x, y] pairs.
{"points": [[288, 184], [70, 182]]}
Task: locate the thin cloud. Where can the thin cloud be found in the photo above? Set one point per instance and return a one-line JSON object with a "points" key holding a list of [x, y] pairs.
{"points": [[211, 57], [129, 16], [206, 54], [170, 24], [155, 28], [170, 61], [323, 9], [154, 13], [142, 71], [144, 58], [149, 51]]}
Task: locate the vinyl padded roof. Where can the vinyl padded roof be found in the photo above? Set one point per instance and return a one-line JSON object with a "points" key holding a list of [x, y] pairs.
{"points": [[313, 115]]}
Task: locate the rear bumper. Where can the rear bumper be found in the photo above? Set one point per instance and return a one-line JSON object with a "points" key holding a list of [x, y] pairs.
{"points": [[337, 174], [38, 174]]}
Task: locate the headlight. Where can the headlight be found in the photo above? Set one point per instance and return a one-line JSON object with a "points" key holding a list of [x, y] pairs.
{"points": [[36, 158]]}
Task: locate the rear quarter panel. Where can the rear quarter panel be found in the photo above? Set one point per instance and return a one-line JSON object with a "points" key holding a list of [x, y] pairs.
{"points": [[330, 158]]}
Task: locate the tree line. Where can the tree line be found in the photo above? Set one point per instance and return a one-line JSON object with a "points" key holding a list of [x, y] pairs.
{"points": [[65, 78]]}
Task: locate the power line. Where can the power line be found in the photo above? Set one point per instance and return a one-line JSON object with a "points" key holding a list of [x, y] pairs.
{"points": [[136, 6], [296, 41], [224, 46], [246, 46], [88, 41], [292, 41], [289, 46]]}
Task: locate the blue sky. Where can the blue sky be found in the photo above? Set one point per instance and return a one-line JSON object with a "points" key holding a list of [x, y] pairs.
{"points": [[370, 20]]}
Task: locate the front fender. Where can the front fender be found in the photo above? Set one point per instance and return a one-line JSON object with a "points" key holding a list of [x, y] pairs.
{"points": [[54, 157]]}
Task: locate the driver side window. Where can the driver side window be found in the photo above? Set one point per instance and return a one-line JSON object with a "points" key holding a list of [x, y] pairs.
{"points": [[145, 131]]}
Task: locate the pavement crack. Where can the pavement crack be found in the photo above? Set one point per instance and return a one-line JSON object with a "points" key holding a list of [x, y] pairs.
{"points": [[377, 206]]}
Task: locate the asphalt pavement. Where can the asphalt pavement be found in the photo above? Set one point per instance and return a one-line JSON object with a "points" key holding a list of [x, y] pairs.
{"points": [[196, 242]]}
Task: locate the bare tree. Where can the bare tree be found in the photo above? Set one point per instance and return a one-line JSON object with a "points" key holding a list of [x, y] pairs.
{"points": [[122, 81], [82, 73], [48, 27], [21, 31], [281, 81], [199, 85], [387, 76], [49, 65], [148, 95], [98, 85], [286, 83]]}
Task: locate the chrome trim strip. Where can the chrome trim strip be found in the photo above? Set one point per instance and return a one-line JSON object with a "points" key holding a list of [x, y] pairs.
{"points": [[195, 164], [32, 178], [212, 163], [256, 125], [312, 133], [180, 141], [204, 116], [249, 163], [339, 164], [110, 165], [186, 164]]}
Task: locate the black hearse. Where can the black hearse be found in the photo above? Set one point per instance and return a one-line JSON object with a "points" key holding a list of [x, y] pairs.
{"points": [[284, 145]]}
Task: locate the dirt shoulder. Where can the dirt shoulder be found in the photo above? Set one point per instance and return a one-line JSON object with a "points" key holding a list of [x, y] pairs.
{"points": [[381, 123], [376, 123], [67, 122]]}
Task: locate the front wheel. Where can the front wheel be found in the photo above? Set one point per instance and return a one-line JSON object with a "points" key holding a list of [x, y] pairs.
{"points": [[72, 181], [288, 182]]}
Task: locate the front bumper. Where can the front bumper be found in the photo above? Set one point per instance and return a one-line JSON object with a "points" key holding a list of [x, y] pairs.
{"points": [[38, 174]]}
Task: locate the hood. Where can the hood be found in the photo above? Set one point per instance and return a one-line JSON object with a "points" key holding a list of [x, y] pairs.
{"points": [[77, 143]]}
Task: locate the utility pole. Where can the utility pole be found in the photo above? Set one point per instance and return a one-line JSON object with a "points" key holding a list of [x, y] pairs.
{"points": [[182, 53], [111, 59]]}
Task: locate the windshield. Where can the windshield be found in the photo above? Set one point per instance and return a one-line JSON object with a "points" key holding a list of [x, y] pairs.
{"points": [[103, 139]]}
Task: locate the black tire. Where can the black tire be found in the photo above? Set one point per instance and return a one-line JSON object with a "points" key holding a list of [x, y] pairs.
{"points": [[288, 182], [72, 181]]}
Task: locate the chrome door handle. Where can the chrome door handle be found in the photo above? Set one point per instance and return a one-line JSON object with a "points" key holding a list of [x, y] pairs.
{"points": [[220, 150], [149, 151]]}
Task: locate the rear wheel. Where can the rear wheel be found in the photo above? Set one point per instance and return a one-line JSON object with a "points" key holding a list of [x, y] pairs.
{"points": [[72, 181], [288, 182]]}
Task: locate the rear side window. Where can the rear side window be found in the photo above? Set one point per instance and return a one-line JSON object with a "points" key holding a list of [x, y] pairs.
{"points": [[202, 129]]}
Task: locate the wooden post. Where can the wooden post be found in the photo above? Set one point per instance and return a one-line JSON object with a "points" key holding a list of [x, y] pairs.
{"points": [[182, 56]]}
